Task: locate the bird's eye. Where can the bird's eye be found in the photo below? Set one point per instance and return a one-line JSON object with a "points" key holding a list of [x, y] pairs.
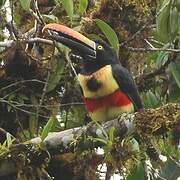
{"points": [[100, 47]]}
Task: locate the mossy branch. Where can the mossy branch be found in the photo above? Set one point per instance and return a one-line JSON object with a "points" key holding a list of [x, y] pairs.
{"points": [[148, 123]]}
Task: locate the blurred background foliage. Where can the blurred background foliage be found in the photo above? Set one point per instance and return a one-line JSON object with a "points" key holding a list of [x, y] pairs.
{"points": [[39, 91]]}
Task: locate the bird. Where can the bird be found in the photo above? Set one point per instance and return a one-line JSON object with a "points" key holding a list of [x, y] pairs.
{"points": [[108, 88]]}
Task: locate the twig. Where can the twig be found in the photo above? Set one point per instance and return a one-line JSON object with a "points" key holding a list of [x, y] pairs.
{"points": [[149, 43], [29, 33], [151, 49], [14, 29], [21, 82], [135, 34], [20, 109], [161, 70], [42, 99], [35, 3], [141, 79], [35, 16], [12, 92], [43, 106], [155, 72], [155, 41], [44, 90], [40, 40], [20, 125], [10, 43], [144, 26], [72, 67]]}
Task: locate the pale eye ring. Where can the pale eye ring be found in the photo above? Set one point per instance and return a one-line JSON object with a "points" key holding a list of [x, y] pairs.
{"points": [[99, 47]]}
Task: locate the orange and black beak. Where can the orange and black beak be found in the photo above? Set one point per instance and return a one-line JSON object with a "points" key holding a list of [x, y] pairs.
{"points": [[72, 39]]}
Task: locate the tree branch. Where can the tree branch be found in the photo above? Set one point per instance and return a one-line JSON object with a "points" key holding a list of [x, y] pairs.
{"points": [[148, 124], [141, 80], [10, 43], [151, 49], [7, 43]]}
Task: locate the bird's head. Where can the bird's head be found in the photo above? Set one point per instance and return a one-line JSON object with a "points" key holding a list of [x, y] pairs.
{"points": [[94, 54]]}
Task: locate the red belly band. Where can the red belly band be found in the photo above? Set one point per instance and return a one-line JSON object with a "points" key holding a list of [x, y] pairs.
{"points": [[116, 99]]}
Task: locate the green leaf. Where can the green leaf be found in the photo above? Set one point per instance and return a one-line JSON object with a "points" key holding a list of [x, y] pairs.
{"points": [[152, 100], [24, 97], [137, 173], [174, 22], [135, 144], [58, 65], [108, 147], [78, 113], [83, 6], [109, 33], [68, 5], [77, 28], [162, 22], [4, 145], [174, 92], [2, 2], [111, 134], [50, 17], [168, 149], [170, 170], [9, 139], [48, 127], [25, 4], [175, 70], [163, 56], [100, 140], [94, 37], [33, 125]]}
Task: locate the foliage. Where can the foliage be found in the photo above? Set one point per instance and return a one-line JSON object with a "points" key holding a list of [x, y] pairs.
{"points": [[166, 33], [68, 6], [58, 65], [25, 4], [48, 127], [109, 33]]}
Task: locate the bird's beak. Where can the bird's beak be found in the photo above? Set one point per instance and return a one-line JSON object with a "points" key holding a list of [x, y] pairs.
{"points": [[72, 39]]}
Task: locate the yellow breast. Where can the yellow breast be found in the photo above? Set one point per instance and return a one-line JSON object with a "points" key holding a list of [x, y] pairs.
{"points": [[105, 77]]}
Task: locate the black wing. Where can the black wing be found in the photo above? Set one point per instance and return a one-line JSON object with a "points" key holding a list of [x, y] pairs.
{"points": [[127, 84]]}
